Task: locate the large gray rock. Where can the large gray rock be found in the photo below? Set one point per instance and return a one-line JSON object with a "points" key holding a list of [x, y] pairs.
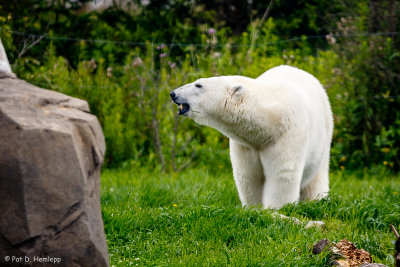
{"points": [[51, 152]]}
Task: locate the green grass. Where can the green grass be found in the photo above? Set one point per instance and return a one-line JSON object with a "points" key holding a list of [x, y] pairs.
{"points": [[195, 218]]}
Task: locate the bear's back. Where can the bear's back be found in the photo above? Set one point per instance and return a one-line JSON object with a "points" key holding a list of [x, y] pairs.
{"points": [[298, 83], [302, 92], [285, 73]]}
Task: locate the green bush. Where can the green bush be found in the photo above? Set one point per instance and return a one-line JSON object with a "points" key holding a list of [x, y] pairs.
{"points": [[127, 84], [368, 118], [133, 105]]}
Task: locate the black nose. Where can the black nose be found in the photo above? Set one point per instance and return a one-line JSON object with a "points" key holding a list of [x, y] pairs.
{"points": [[172, 94]]}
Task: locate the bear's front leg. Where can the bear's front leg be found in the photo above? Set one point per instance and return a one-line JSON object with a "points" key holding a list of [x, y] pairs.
{"points": [[248, 173], [283, 171]]}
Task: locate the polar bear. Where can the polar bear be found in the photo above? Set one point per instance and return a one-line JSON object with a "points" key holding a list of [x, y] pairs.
{"points": [[279, 127]]}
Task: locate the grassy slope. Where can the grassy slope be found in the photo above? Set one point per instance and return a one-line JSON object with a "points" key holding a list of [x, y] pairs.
{"points": [[195, 218]]}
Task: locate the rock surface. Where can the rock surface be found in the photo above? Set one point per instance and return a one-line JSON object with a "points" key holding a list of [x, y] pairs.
{"points": [[51, 152]]}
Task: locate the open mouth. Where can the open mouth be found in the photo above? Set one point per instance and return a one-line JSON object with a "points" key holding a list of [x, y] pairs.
{"points": [[183, 108]]}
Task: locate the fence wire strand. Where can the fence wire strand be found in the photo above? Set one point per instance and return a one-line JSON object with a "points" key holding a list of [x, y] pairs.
{"points": [[129, 43]]}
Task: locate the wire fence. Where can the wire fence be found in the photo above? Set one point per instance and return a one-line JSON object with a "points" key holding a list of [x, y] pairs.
{"points": [[129, 43], [289, 40]]}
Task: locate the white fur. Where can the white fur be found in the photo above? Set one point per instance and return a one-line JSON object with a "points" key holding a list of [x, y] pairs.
{"points": [[4, 64], [280, 128]]}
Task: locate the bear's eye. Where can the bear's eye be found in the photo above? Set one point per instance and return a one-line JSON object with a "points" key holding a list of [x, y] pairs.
{"points": [[198, 85]]}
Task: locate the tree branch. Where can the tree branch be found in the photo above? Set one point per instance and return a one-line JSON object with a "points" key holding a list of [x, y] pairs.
{"points": [[394, 231], [27, 46]]}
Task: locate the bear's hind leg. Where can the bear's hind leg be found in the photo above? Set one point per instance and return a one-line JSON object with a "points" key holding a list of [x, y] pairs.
{"points": [[248, 174], [319, 186]]}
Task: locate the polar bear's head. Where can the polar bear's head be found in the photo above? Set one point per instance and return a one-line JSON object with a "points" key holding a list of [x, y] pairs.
{"points": [[209, 100]]}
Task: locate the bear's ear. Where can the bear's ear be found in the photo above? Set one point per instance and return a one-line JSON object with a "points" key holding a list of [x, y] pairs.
{"points": [[237, 89]]}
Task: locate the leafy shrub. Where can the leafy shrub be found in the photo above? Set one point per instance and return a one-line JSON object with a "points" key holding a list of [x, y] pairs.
{"points": [[132, 101], [368, 119], [127, 82]]}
